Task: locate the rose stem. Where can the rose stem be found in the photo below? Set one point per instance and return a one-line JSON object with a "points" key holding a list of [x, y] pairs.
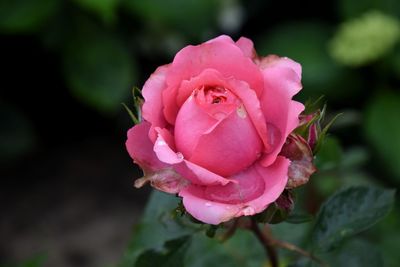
{"points": [[302, 252], [231, 230], [267, 242]]}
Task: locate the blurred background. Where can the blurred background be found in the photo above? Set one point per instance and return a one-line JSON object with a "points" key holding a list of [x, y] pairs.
{"points": [[66, 180]]}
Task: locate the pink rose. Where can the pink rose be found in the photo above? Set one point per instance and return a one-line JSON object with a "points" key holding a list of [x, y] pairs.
{"points": [[214, 123]]}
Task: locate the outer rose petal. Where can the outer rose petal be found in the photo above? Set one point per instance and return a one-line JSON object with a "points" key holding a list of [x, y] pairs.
{"points": [[199, 175], [221, 54], [164, 149], [140, 148], [152, 109], [282, 62], [282, 81], [247, 47], [214, 212], [159, 174]]}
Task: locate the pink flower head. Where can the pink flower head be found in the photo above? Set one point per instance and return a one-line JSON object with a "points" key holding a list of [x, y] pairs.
{"points": [[214, 123]]}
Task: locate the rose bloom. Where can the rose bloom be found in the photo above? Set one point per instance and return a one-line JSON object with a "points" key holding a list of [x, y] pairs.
{"points": [[213, 125]]}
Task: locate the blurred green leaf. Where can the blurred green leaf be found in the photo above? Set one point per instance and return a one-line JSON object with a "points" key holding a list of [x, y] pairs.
{"points": [[158, 226], [353, 8], [365, 39], [349, 212], [105, 9], [388, 237], [234, 252], [354, 253], [382, 129], [357, 253], [25, 15], [99, 69], [16, 134], [172, 255], [305, 42], [354, 158], [192, 17], [395, 62], [329, 154]]}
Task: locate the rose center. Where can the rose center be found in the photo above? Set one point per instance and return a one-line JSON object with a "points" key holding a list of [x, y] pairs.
{"points": [[215, 94]]}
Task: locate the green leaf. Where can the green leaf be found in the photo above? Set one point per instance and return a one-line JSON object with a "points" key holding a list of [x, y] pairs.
{"points": [[26, 15], [349, 212], [395, 62], [172, 256], [105, 9], [382, 129], [130, 113], [329, 154], [157, 226], [388, 237], [357, 253], [242, 249], [99, 69]]}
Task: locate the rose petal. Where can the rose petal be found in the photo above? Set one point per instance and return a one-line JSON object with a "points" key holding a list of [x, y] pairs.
{"points": [[253, 108], [247, 47], [152, 109], [164, 149], [274, 61], [166, 180], [232, 145], [210, 211], [209, 77], [186, 138], [199, 175], [205, 210], [282, 82], [221, 54], [140, 148]]}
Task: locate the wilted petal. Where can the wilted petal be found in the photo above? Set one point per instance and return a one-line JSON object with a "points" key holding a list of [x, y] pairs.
{"points": [[166, 180], [301, 167]]}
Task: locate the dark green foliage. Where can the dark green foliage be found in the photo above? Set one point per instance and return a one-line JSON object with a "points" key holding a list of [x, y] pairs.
{"points": [[349, 212], [99, 69], [172, 256], [382, 129]]}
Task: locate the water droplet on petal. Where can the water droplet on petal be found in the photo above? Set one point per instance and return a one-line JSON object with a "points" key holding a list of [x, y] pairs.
{"points": [[247, 211], [161, 143], [241, 112], [208, 204], [179, 155]]}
